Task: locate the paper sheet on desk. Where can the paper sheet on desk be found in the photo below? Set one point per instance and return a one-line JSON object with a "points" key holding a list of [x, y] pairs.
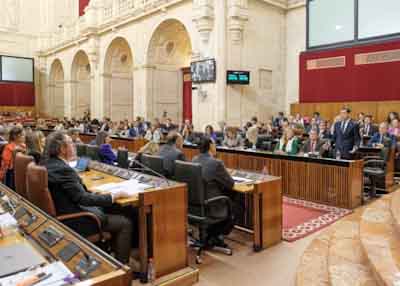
{"points": [[58, 273], [133, 187], [241, 180]]}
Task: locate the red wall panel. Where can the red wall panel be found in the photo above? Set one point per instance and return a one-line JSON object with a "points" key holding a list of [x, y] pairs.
{"points": [[370, 82], [82, 6], [17, 94]]}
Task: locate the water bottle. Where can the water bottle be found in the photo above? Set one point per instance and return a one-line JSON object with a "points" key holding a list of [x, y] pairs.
{"points": [[151, 272], [338, 155]]}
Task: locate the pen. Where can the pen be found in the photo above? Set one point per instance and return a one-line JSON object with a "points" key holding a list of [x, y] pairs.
{"points": [[41, 277]]}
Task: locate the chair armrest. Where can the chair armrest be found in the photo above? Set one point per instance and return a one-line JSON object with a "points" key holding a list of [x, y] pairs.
{"points": [[225, 199], [84, 214], [375, 163]]}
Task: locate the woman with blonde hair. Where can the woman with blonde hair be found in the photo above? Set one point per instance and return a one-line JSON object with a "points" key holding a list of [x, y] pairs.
{"points": [[288, 144]]}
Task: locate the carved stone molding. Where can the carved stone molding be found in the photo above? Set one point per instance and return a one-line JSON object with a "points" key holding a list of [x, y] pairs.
{"points": [[238, 16], [203, 11], [93, 52]]}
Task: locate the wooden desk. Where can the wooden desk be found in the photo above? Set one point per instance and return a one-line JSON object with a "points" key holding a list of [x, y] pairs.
{"points": [[162, 225], [265, 208], [328, 181], [110, 271]]}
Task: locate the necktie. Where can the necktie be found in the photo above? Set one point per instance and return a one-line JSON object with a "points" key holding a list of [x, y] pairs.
{"points": [[343, 126], [313, 147]]}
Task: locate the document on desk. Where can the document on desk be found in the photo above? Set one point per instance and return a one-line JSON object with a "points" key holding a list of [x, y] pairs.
{"points": [[57, 271], [241, 180], [132, 187]]}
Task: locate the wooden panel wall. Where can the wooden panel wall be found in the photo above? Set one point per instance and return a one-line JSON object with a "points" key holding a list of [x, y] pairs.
{"points": [[378, 109]]}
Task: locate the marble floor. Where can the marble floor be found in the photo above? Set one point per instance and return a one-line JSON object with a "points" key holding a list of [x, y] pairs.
{"points": [[273, 266]]}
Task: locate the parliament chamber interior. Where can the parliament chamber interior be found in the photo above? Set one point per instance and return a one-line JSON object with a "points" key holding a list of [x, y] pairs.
{"points": [[200, 142]]}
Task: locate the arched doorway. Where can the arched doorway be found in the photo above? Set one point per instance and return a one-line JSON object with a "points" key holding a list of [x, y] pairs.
{"points": [[55, 102], [118, 81], [170, 51], [80, 87]]}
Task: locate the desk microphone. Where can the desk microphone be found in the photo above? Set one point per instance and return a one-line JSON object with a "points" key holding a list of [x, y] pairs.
{"points": [[143, 166]]}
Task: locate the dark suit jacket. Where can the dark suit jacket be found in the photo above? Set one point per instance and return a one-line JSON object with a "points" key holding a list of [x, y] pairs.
{"points": [[107, 155], [169, 154], [388, 140], [371, 130], [318, 146], [71, 196], [326, 134], [218, 181], [345, 141]]}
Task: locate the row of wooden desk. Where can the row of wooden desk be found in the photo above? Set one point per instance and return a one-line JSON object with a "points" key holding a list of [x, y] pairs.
{"points": [[328, 181]]}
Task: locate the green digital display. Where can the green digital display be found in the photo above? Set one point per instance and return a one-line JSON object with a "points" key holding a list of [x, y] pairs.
{"points": [[238, 77]]}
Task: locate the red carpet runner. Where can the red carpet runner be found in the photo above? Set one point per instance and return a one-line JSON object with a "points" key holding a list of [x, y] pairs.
{"points": [[302, 218]]}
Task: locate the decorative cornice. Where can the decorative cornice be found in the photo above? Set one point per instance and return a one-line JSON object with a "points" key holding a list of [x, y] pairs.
{"points": [[238, 15], [203, 18]]}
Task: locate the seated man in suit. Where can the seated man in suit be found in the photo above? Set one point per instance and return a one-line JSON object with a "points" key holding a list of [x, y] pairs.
{"points": [[172, 151], [382, 139], [218, 183], [346, 135], [368, 129], [324, 132], [314, 144], [71, 196]]}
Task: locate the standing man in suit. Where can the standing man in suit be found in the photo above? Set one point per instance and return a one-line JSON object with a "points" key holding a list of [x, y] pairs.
{"points": [[346, 135], [172, 151], [71, 196], [218, 183]]}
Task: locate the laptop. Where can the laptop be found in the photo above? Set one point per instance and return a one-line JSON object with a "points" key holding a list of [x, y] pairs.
{"points": [[17, 258], [82, 164]]}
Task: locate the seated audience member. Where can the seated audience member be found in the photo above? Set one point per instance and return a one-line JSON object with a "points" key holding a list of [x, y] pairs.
{"points": [[288, 144], [314, 124], [368, 129], [185, 124], [279, 120], [35, 142], [323, 132], [71, 196], [346, 135], [254, 121], [218, 183], [103, 140], [392, 115], [315, 144], [188, 134], [151, 148], [169, 126], [317, 117], [172, 151], [251, 136], [394, 128], [3, 133], [361, 118], [298, 120], [209, 132], [382, 138], [16, 143], [154, 133], [231, 138], [106, 125], [74, 134]]}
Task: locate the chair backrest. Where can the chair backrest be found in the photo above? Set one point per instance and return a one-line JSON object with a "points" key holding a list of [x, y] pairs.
{"points": [[20, 167], [190, 173], [81, 150], [122, 159], [37, 189], [154, 162], [93, 152]]}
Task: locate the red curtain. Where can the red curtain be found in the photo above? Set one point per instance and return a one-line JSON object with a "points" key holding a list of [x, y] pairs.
{"points": [[17, 94], [82, 6], [187, 94], [369, 82]]}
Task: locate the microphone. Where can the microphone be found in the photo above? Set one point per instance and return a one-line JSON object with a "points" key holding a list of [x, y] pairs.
{"points": [[157, 174]]}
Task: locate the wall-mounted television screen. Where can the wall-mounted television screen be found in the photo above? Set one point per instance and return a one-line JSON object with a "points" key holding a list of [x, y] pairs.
{"points": [[203, 71], [238, 77], [16, 69]]}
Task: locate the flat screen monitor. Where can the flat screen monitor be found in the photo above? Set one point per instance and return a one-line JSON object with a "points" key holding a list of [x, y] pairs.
{"points": [[16, 69], [238, 77], [203, 71]]}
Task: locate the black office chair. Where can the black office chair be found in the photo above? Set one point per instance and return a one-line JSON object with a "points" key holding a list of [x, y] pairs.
{"points": [[93, 152], [122, 159], [81, 150], [153, 162], [375, 171], [198, 213], [264, 142]]}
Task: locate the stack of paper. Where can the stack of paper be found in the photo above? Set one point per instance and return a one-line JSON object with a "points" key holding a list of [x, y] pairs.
{"points": [[241, 180], [132, 187]]}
